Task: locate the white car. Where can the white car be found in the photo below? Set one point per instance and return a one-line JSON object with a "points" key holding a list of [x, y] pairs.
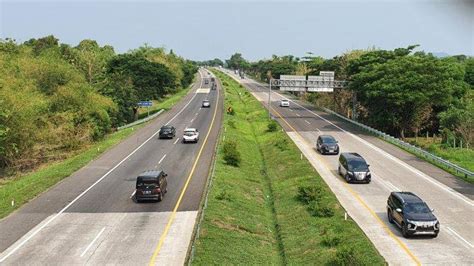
{"points": [[191, 135], [284, 103], [206, 104]]}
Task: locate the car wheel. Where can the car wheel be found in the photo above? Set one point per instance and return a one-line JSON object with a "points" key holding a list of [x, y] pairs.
{"points": [[405, 232], [348, 179], [389, 216]]}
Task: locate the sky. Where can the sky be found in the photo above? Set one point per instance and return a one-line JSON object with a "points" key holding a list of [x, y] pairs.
{"points": [[202, 30]]}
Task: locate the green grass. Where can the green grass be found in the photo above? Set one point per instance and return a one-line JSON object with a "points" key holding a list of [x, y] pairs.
{"points": [[24, 187], [462, 157], [254, 215]]}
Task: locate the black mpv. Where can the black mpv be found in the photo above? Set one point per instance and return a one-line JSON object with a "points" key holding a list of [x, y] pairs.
{"points": [[411, 215]]}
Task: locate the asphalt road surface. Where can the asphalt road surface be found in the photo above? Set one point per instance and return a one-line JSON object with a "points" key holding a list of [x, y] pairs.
{"points": [[392, 170], [91, 217]]}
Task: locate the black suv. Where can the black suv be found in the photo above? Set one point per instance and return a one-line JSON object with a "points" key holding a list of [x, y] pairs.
{"points": [[411, 214], [354, 168], [326, 144], [167, 132], [151, 185]]}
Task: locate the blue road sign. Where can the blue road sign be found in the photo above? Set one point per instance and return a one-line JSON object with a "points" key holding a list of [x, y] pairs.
{"points": [[145, 103]]}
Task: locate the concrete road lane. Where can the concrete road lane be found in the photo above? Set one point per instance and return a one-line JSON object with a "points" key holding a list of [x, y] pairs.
{"points": [[105, 225], [455, 243]]}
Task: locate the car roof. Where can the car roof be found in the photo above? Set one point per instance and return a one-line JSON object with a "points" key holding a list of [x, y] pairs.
{"points": [[352, 155], [189, 129], [150, 174], [205, 100], [407, 196]]}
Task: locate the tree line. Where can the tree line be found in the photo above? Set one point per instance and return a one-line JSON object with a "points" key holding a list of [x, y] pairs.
{"points": [[402, 91], [56, 98]]}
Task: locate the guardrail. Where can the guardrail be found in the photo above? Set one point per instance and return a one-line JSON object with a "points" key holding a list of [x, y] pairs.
{"points": [[141, 120], [447, 164]]}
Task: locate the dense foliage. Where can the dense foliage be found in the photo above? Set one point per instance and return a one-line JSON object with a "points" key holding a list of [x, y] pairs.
{"points": [[401, 92], [56, 98]]}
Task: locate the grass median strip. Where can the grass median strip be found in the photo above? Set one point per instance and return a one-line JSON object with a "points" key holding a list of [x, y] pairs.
{"points": [[272, 208], [18, 190]]}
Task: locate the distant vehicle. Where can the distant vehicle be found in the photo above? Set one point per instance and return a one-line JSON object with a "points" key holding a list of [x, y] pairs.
{"points": [[167, 132], [214, 86], [213, 79], [236, 72], [206, 81], [354, 168], [284, 103], [411, 214], [327, 144], [151, 185], [206, 104], [190, 135]]}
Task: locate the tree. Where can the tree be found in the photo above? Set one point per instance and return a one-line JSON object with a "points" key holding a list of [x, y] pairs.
{"points": [[400, 91], [92, 59], [236, 61]]}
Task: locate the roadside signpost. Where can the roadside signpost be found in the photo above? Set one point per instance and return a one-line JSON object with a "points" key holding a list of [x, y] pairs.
{"points": [[146, 104], [325, 82]]}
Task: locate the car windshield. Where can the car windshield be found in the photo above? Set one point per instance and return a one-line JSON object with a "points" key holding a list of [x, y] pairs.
{"points": [[356, 166], [417, 207], [148, 184], [189, 133], [285, 101], [328, 140]]}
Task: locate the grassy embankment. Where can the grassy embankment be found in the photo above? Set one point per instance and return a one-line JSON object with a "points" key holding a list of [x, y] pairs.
{"points": [[462, 157], [23, 187], [273, 208]]}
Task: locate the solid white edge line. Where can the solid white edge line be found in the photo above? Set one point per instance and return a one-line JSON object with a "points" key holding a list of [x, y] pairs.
{"points": [[389, 156], [91, 186], [176, 141], [93, 241], [460, 237], [162, 158]]}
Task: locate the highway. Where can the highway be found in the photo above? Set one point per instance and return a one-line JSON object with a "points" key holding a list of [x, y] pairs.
{"points": [[91, 217], [392, 170]]}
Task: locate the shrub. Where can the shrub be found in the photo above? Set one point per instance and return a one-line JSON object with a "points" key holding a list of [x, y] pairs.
{"points": [[281, 144], [307, 194], [231, 154], [345, 255], [231, 123], [223, 195], [225, 83], [331, 240], [320, 209], [272, 126]]}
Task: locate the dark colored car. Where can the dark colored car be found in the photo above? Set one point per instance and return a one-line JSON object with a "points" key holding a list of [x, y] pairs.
{"points": [[327, 144], [167, 132], [354, 168], [411, 214], [151, 185]]}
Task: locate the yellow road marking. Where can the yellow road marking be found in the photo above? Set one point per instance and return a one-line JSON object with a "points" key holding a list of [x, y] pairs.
{"points": [[361, 201], [173, 214]]}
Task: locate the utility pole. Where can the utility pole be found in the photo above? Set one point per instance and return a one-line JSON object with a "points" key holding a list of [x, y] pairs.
{"points": [[269, 98]]}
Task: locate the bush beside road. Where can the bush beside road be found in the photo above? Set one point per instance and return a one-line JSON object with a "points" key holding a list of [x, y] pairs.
{"points": [[273, 208]]}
